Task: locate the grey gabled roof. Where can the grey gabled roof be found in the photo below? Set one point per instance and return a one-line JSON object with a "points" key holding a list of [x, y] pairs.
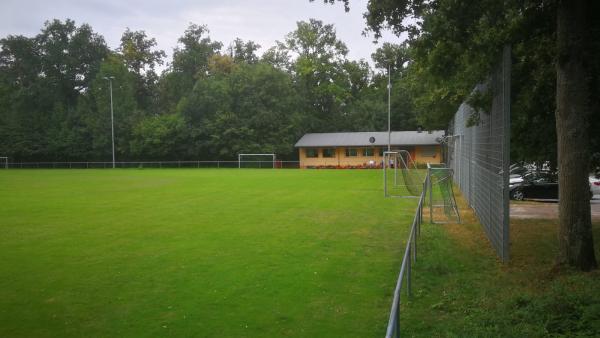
{"points": [[359, 139]]}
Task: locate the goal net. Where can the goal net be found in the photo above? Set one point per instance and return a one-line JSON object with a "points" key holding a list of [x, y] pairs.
{"points": [[256, 161], [3, 162], [440, 195], [401, 177]]}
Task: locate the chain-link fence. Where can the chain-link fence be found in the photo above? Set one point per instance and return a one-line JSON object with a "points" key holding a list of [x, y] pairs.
{"points": [[480, 157], [154, 164]]}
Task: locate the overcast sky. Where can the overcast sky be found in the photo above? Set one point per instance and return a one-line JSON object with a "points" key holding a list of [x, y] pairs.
{"points": [[262, 21]]}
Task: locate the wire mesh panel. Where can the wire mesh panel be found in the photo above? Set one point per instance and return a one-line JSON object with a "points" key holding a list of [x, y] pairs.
{"points": [[401, 177], [479, 155], [440, 200]]}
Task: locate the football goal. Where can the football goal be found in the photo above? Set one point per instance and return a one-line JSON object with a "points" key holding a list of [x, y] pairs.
{"points": [[3, 162], [440, 200], [401, 177], [256, 161]]}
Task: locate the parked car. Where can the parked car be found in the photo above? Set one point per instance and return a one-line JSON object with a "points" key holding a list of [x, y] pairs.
{"points": [[595, 184], [514, 179], [516, 169], [537, 185]]}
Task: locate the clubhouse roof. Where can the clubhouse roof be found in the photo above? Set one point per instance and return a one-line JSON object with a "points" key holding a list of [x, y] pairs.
{"points": [[363, 139]]}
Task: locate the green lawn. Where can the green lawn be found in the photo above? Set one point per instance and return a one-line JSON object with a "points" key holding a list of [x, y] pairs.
{"points": [[215, 253]]}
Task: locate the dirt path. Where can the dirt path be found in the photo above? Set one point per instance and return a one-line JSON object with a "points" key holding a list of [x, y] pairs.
{"points": [[545, 209]]}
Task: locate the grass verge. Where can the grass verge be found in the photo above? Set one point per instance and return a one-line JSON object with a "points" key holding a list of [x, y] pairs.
{"points": [[462, 290]]}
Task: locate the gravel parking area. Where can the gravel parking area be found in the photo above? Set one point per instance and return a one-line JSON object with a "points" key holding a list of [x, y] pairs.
{"points": [[547, 209]]}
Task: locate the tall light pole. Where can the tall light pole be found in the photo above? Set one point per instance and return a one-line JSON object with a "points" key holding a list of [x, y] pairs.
{"points": [[389, 87], [112, 119]]}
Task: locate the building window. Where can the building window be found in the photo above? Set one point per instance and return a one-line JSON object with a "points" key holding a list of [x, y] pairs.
{"points": [[312, 152], [351, 152], [381, 150], [329, 152], [368, 152], [428, 151]]}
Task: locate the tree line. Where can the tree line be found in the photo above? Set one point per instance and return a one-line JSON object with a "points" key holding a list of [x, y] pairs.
{"points": [[210, 101]]}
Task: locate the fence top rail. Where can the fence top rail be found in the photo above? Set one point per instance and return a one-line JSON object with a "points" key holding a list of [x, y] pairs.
{"points": [[127, 162]]}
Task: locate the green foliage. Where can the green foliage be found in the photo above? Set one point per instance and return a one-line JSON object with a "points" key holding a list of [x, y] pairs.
{"points": [[242, 51], [126, 113], [136, 49], [159, 137], [42, 79], [137, 53], [191, 57], [391, 57]]}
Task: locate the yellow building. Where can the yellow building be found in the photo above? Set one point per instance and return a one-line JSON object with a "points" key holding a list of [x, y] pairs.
{"points": [[365, 149]]}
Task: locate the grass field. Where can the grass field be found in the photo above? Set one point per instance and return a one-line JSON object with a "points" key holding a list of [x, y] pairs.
{"points": [[265, 253], [215, 253]]}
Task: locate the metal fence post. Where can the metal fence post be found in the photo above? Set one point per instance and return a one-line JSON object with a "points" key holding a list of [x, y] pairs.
{"points": [[397, 333], [396, 171], [430, 190], [385, 194], [408, 273], [415, 244]]}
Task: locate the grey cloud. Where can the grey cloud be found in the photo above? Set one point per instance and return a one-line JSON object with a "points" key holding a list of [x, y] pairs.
{"points": [[263, 21]]}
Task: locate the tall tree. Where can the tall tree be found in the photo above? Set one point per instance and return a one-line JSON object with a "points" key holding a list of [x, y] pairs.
{"points": [[278, 56], [391, 56], [138, 51], [393, 60], [190, 62], [242, 51], [141, 58], [44, 77], [319, 57], [196, 47], [573, 113]]}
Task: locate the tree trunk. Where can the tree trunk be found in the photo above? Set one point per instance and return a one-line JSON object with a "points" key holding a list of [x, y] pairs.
{"points": [[573, 112]]}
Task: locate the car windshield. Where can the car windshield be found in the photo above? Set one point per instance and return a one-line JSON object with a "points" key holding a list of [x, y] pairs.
{"points": [[540, 177]]}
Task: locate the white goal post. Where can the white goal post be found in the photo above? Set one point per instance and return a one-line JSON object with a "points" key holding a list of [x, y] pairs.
{"points": [[270, 158], [4, 162]]}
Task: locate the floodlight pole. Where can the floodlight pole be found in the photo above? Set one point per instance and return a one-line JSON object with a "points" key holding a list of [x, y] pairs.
{"points": [[112, 119], [389, 87]]}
